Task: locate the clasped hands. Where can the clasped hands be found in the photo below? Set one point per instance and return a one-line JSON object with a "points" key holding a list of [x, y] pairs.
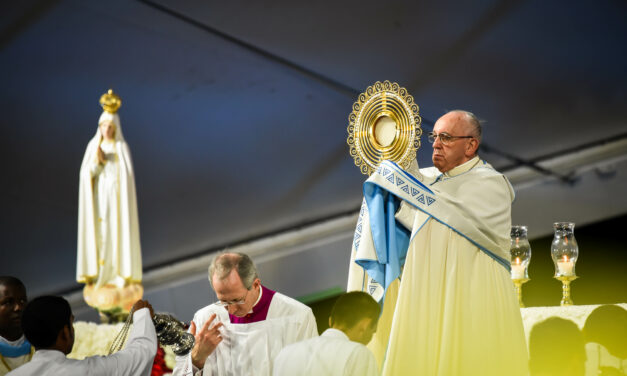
{"points": [[102, 159], [207, 339]]}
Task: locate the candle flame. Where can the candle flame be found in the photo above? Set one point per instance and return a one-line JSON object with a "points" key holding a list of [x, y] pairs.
{"points": [[565, 258], [517, 261]]}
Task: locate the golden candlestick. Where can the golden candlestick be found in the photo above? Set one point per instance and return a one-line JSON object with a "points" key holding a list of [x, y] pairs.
{"points": [[566, 280], [518, 283]]}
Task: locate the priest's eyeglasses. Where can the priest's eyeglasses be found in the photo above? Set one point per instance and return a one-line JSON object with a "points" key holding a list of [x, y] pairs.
{"points": [[223, 303], [445, 138]]}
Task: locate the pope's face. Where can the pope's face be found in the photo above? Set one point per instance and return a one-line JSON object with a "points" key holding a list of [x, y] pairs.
{"points": [[107, 130], [231, 290], [12, 302], [459, 150]]}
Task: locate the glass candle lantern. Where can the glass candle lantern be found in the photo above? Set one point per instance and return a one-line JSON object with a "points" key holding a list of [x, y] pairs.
{"points": [[520, 255], [520, 252], [564, 251]]}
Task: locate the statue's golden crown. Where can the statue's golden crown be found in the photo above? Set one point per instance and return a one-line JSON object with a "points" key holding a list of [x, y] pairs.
{"points": [[110, 102]]}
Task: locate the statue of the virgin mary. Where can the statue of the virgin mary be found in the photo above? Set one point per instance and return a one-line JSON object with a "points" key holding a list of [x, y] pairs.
{"points": [[109, 253]]}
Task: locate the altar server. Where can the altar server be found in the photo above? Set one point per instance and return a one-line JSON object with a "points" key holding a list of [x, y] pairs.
{"points": [[340, 350], [605, 333], [440, 261], [15, 349], [557, 348], [48, 324], [247, 327]]}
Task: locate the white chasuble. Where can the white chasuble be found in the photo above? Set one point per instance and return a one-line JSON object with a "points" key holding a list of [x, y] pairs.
{"points": [[450, 306]]}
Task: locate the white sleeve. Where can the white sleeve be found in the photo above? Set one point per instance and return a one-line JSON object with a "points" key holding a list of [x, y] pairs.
{"points": [[405, 215], [184, 365], [138, 355], [309, 328], [361, 362]]}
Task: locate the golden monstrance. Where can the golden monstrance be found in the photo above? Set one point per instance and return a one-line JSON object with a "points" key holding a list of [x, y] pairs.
{"points": [[384, 125]]}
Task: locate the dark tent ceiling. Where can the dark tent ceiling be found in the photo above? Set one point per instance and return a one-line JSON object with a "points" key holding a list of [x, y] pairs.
{"points": [[236, 112]]}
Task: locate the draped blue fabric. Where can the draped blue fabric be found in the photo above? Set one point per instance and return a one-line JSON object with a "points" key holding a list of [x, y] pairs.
{"points": [[14, 351], [391, 240]]}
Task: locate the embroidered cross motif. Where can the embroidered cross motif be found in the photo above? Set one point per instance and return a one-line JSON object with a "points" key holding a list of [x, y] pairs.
{"points": [[357, 244], [357, 239]]}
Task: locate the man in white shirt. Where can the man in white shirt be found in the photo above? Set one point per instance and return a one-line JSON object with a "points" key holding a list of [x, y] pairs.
{"points": [[340, 350], [15, 350], [47, 323], [247, 327]]}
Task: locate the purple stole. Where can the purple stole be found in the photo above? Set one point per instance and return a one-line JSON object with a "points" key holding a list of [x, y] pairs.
{"points": [[260, 310]]}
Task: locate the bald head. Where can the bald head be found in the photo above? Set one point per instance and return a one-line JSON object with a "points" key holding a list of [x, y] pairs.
{"points": [[466, 131], [472, 123], [222, 265], [233, 277]]}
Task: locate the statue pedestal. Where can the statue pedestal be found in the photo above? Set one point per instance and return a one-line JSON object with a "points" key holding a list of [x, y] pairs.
{"points": [[113, 302]]}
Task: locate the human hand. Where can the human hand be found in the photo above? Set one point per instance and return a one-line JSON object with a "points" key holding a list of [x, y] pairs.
{"points": [[143, 304], [100, 155], [207, 339]]}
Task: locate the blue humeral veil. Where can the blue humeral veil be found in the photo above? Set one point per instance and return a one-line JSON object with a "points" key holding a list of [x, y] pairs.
{"points": [[390, 239], [380, 242]]}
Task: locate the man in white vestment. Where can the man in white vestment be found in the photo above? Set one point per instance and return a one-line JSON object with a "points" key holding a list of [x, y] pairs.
{"points": [[109, 250], [15, 349], [341, 349], [247, 327], [605, 333], [48, 325], [557, 348], [433, 245]]}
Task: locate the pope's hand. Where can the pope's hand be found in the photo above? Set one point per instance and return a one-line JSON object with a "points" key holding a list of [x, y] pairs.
{"points": [[207, 339]]}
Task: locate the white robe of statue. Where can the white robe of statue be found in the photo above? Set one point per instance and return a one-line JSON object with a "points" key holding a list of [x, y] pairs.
{"points": [[108, 229]]}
